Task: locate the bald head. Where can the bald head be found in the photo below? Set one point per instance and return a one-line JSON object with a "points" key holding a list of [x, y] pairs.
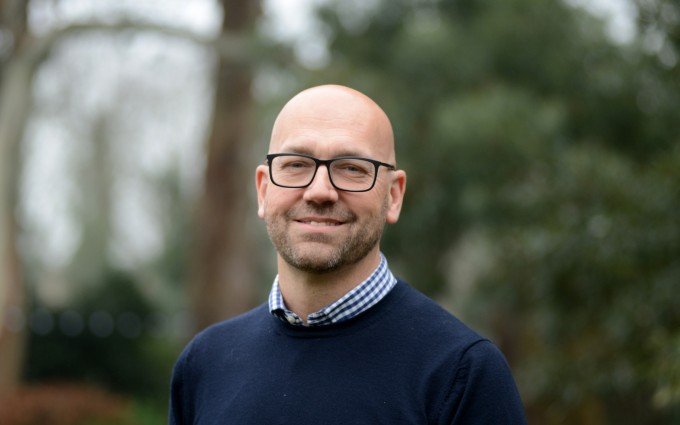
{"points": [[333, 120]]}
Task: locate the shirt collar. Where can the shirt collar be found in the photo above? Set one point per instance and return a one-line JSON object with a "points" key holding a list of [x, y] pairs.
{"points": [[359, 299]]}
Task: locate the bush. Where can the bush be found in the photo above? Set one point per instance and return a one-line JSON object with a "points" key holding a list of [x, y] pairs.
{"points": [[64, 404]]}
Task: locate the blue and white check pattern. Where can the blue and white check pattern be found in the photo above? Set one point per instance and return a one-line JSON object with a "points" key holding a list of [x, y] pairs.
{"points": [[355, 302]]}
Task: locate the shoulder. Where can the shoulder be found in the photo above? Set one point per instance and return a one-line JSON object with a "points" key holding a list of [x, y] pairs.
{"points": [[483, 390], [215, 344], [480, 386], [444, 341], [419, 312], [208, 349], [225, 334]]}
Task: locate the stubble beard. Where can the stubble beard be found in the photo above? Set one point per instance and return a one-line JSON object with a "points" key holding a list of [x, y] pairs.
{"points": [[362, 239]]}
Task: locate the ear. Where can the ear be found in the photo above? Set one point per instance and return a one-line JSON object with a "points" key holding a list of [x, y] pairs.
{"points": [[261, 184], [396, 196]]}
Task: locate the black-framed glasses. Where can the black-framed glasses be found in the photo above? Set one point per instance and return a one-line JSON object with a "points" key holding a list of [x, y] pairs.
{"points": [[348, 173]]}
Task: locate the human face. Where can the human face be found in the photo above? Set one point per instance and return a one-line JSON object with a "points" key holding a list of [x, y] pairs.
{"points": [[320, 229]]}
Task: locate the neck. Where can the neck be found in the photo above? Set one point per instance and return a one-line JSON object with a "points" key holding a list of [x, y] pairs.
{"points": [[305, 293]]}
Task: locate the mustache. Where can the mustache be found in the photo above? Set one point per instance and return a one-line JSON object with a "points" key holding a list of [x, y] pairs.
{"points": [[330, 210]]}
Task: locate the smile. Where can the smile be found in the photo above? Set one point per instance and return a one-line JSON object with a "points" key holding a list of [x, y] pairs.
{"points": [[319, 223]]}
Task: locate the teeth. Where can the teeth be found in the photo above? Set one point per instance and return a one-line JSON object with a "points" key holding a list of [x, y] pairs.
{"points": [[321, 223]]}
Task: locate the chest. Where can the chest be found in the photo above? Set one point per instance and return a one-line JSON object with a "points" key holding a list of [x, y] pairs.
{"points": [[313, 383]]}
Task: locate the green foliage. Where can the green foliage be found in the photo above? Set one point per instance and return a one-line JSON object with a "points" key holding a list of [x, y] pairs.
{"points": [[588, 289], [521, 125], [122, 353], [144, 413]]}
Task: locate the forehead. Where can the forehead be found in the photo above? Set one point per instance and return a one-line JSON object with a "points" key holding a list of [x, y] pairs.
{"points": [[333, 125], [325, 140]]}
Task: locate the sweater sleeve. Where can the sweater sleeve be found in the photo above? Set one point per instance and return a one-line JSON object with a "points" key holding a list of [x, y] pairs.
{"points": [[483, 390]]}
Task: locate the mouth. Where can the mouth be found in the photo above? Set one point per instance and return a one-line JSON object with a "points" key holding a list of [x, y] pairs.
{"points": [[320, 222]]}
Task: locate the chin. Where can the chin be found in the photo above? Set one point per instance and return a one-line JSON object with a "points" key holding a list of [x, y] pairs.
{"points": [[315, 260]]}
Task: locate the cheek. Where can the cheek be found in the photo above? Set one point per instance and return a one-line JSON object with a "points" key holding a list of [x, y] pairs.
{"points": [[373, 206], [276, 203]]}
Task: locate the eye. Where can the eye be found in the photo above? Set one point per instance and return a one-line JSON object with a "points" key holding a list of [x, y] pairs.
{"points": [[294, 164], [297, 164], [354, 167]]}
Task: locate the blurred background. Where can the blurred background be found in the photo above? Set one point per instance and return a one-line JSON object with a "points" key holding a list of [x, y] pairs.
{"points": [[540, 137]]}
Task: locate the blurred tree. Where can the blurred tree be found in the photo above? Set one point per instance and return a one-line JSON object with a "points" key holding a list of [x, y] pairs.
{"points": [[94, 213], [16, 68], [222, 283], [546, 153], [660, 21], [20, 56]]}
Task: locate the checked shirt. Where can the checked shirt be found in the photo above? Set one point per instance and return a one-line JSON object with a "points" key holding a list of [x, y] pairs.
{"points": [[353, 303]]}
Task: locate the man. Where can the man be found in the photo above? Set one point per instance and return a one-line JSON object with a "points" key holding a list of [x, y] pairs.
{"points": [[341, 340]]}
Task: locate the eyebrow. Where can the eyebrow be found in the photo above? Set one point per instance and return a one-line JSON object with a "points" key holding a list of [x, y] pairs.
{"points": [[306, 151], [297, 149]]}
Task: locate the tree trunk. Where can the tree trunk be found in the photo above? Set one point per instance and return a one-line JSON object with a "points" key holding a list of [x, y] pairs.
{"points": [[15, 79], [12, 319], [222, 269]]}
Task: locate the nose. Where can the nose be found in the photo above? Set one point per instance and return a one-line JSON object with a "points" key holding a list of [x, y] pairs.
{"points": [[320, 190]]}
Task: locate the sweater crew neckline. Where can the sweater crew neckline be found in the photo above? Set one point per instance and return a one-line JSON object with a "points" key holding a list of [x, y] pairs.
{"points": [[360, 321]]}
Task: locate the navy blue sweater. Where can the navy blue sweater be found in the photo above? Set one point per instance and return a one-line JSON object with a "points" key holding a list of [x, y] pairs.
{"points": [[404, 361]]}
